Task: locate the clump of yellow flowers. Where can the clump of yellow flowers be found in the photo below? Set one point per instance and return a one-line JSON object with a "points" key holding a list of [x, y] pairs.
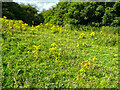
{"points": [[36, 48], [54, 46], [46, 24], [92, 34], [86, 65], [4, 17], [82, 35]]}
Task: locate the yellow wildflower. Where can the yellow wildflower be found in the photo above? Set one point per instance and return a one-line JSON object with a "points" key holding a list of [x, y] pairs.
{"points": [[36, 47], [115, 55], [89, 59], [28, 52], [78, 77], [33, 51], [82, 35], [85, 61], [53, 44], [10, 27], [92, 34], [4, 17], [94, 58], [46, 24], [84, 44], [81, 64], [26, 24], [75, 31], [77, 45], [56, 58], [59, 53], [100, 32], [52, 48]]}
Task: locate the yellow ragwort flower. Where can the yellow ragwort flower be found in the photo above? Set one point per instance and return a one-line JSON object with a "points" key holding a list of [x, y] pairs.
{"points": [[115, 55], [28, 52], [84, 44], [36, 47], [82, 35], [52, 48], [92, 34], [33, 51], [94, 58], [53, 44], [4, 17], [77, 45], [75, 31]]}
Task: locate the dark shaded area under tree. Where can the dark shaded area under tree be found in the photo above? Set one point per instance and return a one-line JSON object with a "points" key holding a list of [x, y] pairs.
{"points": [[26, 13]]}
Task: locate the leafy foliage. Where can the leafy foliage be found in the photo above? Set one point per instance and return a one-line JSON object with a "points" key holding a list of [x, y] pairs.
{"points": [[84, 13]]}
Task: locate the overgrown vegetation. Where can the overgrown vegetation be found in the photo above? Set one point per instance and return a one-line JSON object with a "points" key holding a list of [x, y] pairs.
{"points": [[50, 56], [72, 45]]}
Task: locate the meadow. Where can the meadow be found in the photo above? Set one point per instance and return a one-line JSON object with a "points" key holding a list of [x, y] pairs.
{"points": [[53, 56]]}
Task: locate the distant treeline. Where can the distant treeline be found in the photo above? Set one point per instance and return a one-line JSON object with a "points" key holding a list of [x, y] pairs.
{"points": [[73, 13], [26, 13], [84, 13]]}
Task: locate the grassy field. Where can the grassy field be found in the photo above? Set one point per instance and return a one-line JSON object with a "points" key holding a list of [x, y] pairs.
{"points": [[49, 56]]}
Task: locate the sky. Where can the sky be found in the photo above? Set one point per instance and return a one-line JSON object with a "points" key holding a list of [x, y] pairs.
{"points": [[41, 4]]}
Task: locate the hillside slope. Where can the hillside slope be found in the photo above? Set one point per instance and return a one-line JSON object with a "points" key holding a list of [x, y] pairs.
{"points": [[49, 56]]}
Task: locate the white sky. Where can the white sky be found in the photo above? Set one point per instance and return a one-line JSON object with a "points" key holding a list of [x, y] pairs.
{"points": [[41, 4]]}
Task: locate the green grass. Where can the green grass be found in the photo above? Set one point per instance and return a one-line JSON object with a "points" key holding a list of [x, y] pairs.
{"points": [[60, 68]]}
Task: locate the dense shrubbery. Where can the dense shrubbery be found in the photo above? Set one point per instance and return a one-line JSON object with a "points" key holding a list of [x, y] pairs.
{"points": [[84, 13]]}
